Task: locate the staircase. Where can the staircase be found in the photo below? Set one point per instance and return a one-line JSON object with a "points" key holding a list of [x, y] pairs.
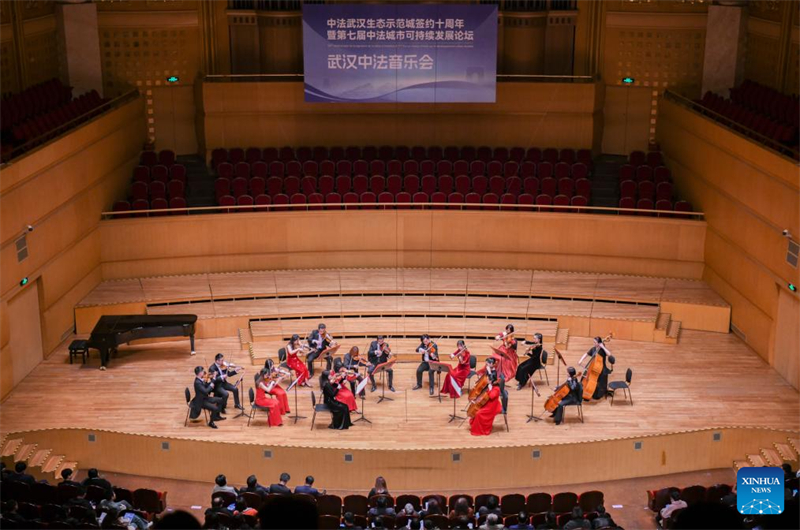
{"points": [[667, 330], [200, 181], [775, 456], [605, 184], [43, 464]]}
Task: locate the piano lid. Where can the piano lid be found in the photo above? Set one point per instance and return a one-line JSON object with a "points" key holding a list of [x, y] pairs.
{"points": [[109, 324]]}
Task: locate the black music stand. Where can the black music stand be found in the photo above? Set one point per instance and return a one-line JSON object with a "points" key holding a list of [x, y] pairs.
{"points": [[559, 357], [439, 367], [381, 369], [534, 391], [240, 387], [297, 415], [360, 393]]}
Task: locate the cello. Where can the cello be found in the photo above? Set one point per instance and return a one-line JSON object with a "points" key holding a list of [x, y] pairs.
{"points": [[478, 396], [562, 391], [592, 371]]}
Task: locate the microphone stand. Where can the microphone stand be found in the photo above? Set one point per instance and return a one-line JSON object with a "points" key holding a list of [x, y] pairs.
{"points": [[534, 390]]}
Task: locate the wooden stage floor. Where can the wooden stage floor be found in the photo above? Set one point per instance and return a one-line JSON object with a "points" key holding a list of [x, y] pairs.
{"points": [[707, 380]]}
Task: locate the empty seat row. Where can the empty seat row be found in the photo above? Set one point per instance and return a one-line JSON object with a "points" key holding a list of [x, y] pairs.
{"points": [[158, 190], [165, 157], [158, 203], [33, 101], [646, 190], [395, 184], [401, 153], [160, 172], [311, 168], [767, 100], [645, 172], [665, 205]]}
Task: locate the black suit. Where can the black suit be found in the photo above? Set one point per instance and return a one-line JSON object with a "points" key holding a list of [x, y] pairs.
{"points": [[97, 481], [203, 400], [280, 489], [424, 366], [319, 347], [23, 477], [222, 388], [377, 357], [574, 397]]}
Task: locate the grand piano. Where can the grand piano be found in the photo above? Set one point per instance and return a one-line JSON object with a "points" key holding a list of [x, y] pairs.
{"points": [[113, 330]]}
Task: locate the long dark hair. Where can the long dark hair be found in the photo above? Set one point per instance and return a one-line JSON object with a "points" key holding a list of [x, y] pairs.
{"points": [[380, 484], [295, 338], [324, 378]]}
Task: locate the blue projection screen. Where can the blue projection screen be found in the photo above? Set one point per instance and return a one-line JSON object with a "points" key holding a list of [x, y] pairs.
{"points": [[424, 53]]}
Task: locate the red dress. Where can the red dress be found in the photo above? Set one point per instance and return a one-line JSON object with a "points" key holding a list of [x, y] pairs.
{"points": [[460, 374], [262, 400], [507, 360], [298, 366], [481, 424], [345, 396], [280, 395]]}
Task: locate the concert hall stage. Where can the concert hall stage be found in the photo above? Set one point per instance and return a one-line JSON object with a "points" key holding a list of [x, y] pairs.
{"points": [[698, 404]]}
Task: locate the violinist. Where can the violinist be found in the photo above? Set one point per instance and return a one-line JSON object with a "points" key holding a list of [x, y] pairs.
{"points": [[275, 376], [321, 343], [339, 411], [340, 376], [460, 373], [352, 362], [263, 399], [203, 387], [481, 423], [429, 352], [293, 350], [600, 349], [506, 353], [379, 353], [222, 388], [574, 397], [534, 362]]}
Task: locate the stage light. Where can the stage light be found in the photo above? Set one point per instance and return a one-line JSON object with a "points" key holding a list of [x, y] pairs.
{"points": [[628, 80], [23, 281], [173, 79], [793, 287]]}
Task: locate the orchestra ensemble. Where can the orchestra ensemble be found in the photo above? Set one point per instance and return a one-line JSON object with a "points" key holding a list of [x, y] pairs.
{"points": [[345, 378]]}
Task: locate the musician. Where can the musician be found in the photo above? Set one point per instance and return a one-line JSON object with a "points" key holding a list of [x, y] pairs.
{"points": [[574, 397], [600, 349], [481, 424], [501, 380], [379, 353], [506, 353], [293, 350], [263, 399], [352, 362], [340, 411], [203, 398], [340, 378], [222, 388], [429, 352], [526, 370], [459, 374], [277, 375], [321, 343]]}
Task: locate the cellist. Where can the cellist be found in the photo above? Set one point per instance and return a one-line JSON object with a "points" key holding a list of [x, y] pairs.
{"points": [[481, 423], [602, 379], [574, 397]]}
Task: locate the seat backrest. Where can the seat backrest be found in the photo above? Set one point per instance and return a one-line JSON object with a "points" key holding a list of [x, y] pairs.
{"points": [[628, 376], [313, 399], [188, 395], [251, 395]]}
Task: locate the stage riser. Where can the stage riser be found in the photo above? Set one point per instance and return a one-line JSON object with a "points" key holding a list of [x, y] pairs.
{"points": [[478, 468]]}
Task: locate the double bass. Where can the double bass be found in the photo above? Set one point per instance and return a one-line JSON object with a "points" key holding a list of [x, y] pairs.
{"points": [[592, 371]]}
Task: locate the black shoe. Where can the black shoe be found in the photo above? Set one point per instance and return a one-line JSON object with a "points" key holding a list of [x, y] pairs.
{"points": [[223, 411], [417, 387], [373, 389], [430, 391], [519, 387], [391, 389], [221, 419], [212, 425], [240, 407]]}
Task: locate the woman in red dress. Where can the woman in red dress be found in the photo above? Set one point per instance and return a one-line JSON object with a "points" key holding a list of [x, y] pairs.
{"points": [[276, 390], [264, 400], [344, 395], [293, 350], [481, 424], [460, 372], [506, 353]]}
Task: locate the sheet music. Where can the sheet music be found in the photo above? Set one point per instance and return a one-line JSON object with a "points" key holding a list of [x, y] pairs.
{"points": [[362, 385]]}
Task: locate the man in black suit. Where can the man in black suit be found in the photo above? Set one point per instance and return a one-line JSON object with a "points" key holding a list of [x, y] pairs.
{"points": [[378, 354], [321, 344], [281, 488], [222, 388], [429, 352], [203, 398], [254, 487], [20, 475], [93, 479], [66, 478], [309, 489]]}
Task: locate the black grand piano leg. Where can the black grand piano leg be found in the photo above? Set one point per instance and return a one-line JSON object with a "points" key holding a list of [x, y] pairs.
{"points": [[104, 353], [191, 341]]}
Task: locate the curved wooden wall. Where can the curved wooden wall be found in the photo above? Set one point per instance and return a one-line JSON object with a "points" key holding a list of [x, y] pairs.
{"points": [[402, 238]]}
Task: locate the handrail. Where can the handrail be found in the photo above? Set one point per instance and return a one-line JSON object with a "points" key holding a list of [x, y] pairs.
{"points": [[767, 142], [223, 78], [64, 127], [400, 206]]}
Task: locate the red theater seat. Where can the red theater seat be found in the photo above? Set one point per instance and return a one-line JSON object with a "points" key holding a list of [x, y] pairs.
{"points": [[455, 199], [377, 184], [308, 185], [439, 198], [411, 184], [394, 184], [360, 184], [368, 198], [316, 199]]}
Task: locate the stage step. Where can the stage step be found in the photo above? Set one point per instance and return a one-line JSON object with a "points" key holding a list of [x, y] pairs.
{"points": [[795, 443], [757, 461], [10, 447], [772, 457], [739, 464], [662, 324], [562, 338], [39, 457], [786, 451], [673, 332], [245, 337]]}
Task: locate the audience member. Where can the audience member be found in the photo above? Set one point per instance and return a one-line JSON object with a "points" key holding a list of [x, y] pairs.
{"points": [[730, 498], [523, 522], [10, 514], [243, 509], [676, 503], [603, 519], [217, 506], [415, 524], [710, 516], [66, 478], [549, 522], [409, 511], [254, 487], [462, 522], [788, 474], [177, 520], [20, 475], [281, 487], [381, 508], [93, 478], [491, 507], [461, 508], [577, 520], [281, 511], [380, 488], [4, 471], [222, 485], [492, 523], [309, 489], [349, 521]]}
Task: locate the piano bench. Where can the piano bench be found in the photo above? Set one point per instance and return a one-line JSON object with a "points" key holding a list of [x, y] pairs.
{"points": [[78, 347]]}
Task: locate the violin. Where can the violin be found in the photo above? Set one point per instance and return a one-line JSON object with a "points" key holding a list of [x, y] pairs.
{"points": [[209, 377]]}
